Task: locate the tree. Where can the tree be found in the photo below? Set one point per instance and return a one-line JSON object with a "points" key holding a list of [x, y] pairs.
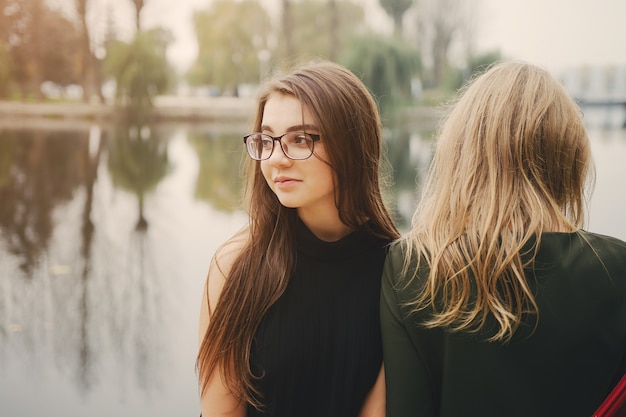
{"points": [[396, 9], [439, 23], [59, 49], [230, 36], [455, 77], [5, 70], [138, 7], [477, 64], [322, 29], [333, 12], [387, 66], [25, 37], [41, 45], [287, 29], [140, 70], [89, 71], [6, 14]]}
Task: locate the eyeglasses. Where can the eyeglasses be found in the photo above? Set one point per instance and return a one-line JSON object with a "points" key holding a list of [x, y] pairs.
{"points": [[295, 145]]}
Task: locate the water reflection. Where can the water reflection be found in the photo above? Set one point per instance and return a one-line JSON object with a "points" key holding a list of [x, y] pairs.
{"points": [[78, 297], [408, 151], [137, 162], [39, 171], [105, 238], [221, 168]]}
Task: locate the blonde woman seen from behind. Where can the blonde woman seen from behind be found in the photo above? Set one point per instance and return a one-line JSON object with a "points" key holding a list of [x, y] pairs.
{"points": [[290, 321], [497, 303]]}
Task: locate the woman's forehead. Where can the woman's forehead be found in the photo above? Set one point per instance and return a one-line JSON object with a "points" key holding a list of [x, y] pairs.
{"points": [[284, 112]]}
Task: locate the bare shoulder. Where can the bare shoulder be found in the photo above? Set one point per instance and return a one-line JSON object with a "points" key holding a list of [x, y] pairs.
{"points": [[219, 269], [216, 399], [222, 263], [226, 255]]}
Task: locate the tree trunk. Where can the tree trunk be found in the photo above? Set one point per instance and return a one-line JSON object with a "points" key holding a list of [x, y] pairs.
{"points": [[287, 30], [85, 53], [334, 29], [138, 7]]}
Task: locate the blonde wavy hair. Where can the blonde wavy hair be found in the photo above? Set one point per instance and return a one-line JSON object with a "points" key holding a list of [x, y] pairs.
{"points": [[511, 162]]}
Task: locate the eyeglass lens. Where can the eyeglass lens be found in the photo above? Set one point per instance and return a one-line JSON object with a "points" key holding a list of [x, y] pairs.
{"points": [[296, 145]]}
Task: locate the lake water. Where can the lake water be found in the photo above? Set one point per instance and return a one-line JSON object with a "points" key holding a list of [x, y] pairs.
{"points": [[105, 239]]}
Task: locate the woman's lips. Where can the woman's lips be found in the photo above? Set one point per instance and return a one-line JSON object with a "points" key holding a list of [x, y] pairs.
{"points": [[284, 182]]}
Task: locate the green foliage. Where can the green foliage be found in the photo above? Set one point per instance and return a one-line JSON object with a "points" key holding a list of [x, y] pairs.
{"points": [[140, 70], [452, 79], [386, 66], [319, 30], [477, 64], [455, 78], [230, 35]]}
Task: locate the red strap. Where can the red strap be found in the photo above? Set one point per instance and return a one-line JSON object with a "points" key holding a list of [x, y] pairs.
{"points": [[614, 405]]}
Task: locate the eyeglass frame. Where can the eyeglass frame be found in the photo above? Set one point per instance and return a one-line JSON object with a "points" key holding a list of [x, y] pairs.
{"points": [[315, 137]]}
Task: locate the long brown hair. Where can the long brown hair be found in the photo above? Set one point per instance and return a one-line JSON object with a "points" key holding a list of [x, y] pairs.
{"points": [[511, 162], [350, 127]]}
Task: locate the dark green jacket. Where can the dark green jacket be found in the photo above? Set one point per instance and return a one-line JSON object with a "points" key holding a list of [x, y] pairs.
{"points": [[564, 368]]}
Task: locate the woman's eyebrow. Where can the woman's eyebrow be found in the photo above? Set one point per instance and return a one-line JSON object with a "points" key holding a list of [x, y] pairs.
{"points": [[296, 128]]}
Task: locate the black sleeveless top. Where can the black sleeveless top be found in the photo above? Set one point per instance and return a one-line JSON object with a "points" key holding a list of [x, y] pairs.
{"points": [[318, 349]]}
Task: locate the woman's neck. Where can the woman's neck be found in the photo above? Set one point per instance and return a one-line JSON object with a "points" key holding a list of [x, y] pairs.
{"points": [[326, 227]]}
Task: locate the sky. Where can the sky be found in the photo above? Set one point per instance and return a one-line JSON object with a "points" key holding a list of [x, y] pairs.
{"points": [[555, 34]]}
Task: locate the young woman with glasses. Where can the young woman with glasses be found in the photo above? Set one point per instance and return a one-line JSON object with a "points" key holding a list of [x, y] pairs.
{"points": [[290, 317], [497, 303]]}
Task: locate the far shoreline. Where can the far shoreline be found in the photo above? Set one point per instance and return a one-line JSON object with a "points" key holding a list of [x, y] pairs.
{"points": [[220, 113]]}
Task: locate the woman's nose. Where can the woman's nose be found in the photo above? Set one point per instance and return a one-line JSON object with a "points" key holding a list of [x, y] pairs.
{"points": [[278, 157]]}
